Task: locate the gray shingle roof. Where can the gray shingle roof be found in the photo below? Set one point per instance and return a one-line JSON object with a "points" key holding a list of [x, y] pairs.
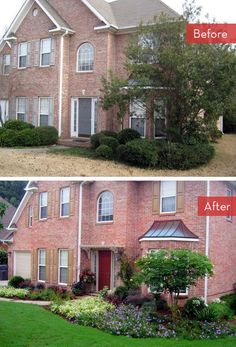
{"points": [[169, 229], [130, 13]]}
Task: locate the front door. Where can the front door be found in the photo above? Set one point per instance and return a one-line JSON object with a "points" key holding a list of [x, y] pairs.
{"points": [[4, 113], [83, 115], [104, 265]]}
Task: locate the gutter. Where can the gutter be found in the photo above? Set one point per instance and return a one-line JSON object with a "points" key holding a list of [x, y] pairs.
{"points": [[207, 243], [80, 229]]}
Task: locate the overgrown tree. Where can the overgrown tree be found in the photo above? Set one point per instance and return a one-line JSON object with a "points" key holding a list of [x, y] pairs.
{"points": [[3, 208], [12, 191], [187, 78], [174, 270]]}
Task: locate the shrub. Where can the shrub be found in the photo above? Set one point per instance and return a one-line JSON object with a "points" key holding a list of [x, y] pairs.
{"points": [[193, 307], [11, 292], [122, 292], [103, 292], [110, 142], [206, 315], [26, 284], [3, 257], [140, 153], [40, 285], [9, 138], [104, 152], [28, 138], [127, 135], [15, 281], [17, 125], [95, 140], [221, 311], [78, 288], [230, 300], [109, 133], [44, 295], [48, 135]]}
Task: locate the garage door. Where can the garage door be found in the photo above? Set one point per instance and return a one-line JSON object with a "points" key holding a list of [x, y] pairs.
{"points": [[22, 264]]}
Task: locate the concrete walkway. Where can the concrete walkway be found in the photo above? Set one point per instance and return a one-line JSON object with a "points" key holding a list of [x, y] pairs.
{"points": [[3, 283], [38, 303]]}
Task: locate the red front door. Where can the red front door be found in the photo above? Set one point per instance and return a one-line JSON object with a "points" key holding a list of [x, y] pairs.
{"points": [[104, 277]]}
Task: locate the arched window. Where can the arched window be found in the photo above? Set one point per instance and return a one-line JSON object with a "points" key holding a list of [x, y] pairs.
{"points": [[85, 57], [105, 207]]}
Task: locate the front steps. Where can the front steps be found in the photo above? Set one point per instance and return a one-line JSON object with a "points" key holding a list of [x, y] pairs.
{"points": [[83, 142]]}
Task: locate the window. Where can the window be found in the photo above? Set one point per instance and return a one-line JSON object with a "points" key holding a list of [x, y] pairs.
{"points": [[43, 200], [23, 48], [85, 57], [63, 266], [30, 216], [168, 196], [21, 109], [160, 119], [46, 50], [6, 64], [44, 111], [229, 194], [138, 117], [65, 202], [105, 207], [42, 265]]}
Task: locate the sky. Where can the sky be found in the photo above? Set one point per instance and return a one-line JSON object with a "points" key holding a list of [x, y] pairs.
{"points": [[222, 11]]}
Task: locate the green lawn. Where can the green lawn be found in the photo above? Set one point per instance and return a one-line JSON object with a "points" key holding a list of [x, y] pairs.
{"points": [[29, 325]]}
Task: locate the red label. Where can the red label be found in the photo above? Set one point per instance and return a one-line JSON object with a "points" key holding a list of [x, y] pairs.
{"points": [[211, 33], [217, 206]]}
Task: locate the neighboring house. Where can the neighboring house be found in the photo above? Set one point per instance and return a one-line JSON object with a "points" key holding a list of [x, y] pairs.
{"points": [[54, 54], [6, 235], [62, 228]]}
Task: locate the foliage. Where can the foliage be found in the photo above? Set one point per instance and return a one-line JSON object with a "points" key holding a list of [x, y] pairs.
{"points": [[110, 142], [3, 209], [104, 151], [9, 138], [78, 288], [103, 292], [96, 139], [87, 277], [48, 135], [12, 191], [28, 138], [193, 307], [230, 300], [121, 292], [11, 292], [127, 271], [221, 311], [109, 133], [17, 125], [127, 135], [15, 281], [174, 270], [81, 309], [3, 256]]}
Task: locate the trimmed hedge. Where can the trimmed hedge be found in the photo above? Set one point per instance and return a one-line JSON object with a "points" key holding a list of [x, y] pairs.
{"points": [[17, 125], [110, 142], [104, 152], [128, 135], [48, 135]]}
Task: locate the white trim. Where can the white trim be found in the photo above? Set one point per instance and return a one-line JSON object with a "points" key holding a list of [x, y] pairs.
{"points": [[171, 196], [97, 14], [74, 133], [41, 53], [169, 239], [19, 55], [93, 114], [80, 215], [207, 243], [66, 216], [64, 267], [41, 206], [97, 211], [41, 249], [77, 57], [61, 85]]}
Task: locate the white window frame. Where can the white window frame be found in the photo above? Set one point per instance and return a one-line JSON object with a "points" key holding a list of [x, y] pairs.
{"points": [[19, 54], [168, 196], [41, 51], [41, 265], [30, 216], [39, 109], [6, 65], [132, 116], [63, 203], [78, 58], [229, 195], [99, 197], [41, 206], [184, 293], [64, 267], [17, 106]]}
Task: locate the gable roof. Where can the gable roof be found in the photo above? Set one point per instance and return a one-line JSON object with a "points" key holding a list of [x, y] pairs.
{"points": [[4, 233], [171, 229], [130, 13]]}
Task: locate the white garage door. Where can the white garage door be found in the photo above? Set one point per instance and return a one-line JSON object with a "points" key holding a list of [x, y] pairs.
{"points": [[22, 264]]}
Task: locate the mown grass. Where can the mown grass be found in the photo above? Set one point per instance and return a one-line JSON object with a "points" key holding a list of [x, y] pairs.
{"points": [[29, 326]]}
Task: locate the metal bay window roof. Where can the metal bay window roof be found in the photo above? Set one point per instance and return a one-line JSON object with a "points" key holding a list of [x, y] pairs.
{"points": [[169, 230]]}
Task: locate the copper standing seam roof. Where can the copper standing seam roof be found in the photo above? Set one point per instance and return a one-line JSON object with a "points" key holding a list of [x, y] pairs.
{"points": [[169, 229]]}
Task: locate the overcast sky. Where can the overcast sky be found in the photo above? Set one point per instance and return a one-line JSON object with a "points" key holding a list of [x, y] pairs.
{"points": [[222, 11]]}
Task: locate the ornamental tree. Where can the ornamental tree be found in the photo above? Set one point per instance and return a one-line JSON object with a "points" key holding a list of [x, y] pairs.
{"points": [[172, 271], [191, 80]]}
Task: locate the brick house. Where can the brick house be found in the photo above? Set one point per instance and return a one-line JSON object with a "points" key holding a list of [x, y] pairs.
{"points": [[62, 228], [54, 54]]}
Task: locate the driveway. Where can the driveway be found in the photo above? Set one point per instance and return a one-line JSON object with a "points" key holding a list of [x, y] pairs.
{"points": [[41, 163]]}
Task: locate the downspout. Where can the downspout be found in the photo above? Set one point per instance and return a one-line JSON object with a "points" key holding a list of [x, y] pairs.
{"points": [[61, 82], [207, 244], [80, 229]]}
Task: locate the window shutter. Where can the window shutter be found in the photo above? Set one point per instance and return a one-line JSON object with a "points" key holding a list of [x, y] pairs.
{"points": [[28, 63], [34, 270], [57, 204], [49, 204], [51, 112], [156, 198], [36, 52], [36, 207], [35, 111], [14, 57], [48, 255], [1, 65], [53, 47], [55, 267], [12, 113], [27, 110], [180, 196], [72, 200], [70, 265]]}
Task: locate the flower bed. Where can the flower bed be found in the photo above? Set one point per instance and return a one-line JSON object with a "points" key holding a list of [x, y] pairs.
{"points": [[10, 292]]}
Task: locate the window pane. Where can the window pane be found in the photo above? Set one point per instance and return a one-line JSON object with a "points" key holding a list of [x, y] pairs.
{"points": [[169, 204], [138, 109], [65, 209], [44, 106], [105, 207], [138, 125], [43, 120], [44, 212], [86, 57], [64, 258], [65, 195], [21, 105], [46, 46], [63, 275], [46, 59], [42, 273], [21, 116], [160, 127], [42, 257], [23, 61], [23, 49], [168, 188], [7, 59], [43, 199]]}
